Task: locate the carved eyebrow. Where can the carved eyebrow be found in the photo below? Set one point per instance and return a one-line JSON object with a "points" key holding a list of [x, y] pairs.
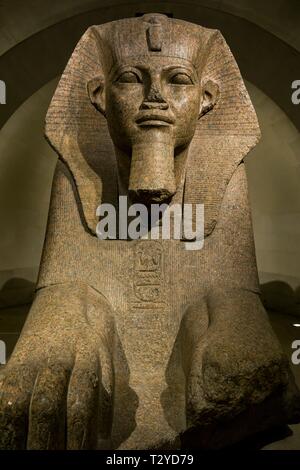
{"points": [[115, 74], [180, 68], [185, 70]]}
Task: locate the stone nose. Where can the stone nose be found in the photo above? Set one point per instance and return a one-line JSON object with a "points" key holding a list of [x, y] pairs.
{"points": [[154, 99]]}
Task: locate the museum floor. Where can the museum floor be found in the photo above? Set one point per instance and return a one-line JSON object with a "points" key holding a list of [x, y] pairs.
{"points": [[12, 320]]}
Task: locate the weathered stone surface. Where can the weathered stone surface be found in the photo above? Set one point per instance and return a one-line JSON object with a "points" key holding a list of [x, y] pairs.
{"points": [[136, 343]]}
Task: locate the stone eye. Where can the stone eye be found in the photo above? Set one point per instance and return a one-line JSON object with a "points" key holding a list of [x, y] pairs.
{"points": [[129, 77], [181, 79]]}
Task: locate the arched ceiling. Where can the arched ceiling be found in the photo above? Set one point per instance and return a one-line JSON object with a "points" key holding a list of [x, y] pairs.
{"points": [[37, 38], [279, 17]]}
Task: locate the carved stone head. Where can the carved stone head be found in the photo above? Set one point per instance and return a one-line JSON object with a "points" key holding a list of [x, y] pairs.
{"points": [[149, 105], [152, 95]]}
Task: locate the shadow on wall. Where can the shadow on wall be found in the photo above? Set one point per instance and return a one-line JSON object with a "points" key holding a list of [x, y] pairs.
{"points": [[280, 297], [16, 292], [16, 297]]}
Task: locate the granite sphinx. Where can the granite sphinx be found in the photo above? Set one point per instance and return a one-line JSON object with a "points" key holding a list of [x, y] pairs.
{"points": [[142, 343]]}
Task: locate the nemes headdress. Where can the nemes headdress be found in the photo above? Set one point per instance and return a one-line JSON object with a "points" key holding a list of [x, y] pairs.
{"points": [[80, 134]]}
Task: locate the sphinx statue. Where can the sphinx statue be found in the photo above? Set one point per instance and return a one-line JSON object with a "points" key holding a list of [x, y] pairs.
{"points": [[139, 343]]}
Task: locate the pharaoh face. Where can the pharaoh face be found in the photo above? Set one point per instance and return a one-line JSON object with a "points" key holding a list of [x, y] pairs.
{"points": [[152, 103], [161, 94]]}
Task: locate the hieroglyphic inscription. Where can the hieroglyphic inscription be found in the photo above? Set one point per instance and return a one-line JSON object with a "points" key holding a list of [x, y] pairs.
{"points": [[148, 276]]}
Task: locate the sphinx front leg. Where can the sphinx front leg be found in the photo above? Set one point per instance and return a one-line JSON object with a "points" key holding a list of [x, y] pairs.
{"points": [[56, 390], [237, 364]]}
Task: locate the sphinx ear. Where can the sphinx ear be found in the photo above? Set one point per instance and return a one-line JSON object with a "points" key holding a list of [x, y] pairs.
{"points": [[96, 92], [210, 96]]}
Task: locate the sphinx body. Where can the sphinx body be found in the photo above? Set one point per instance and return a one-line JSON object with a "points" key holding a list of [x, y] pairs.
{"points": [[137, 343]]}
